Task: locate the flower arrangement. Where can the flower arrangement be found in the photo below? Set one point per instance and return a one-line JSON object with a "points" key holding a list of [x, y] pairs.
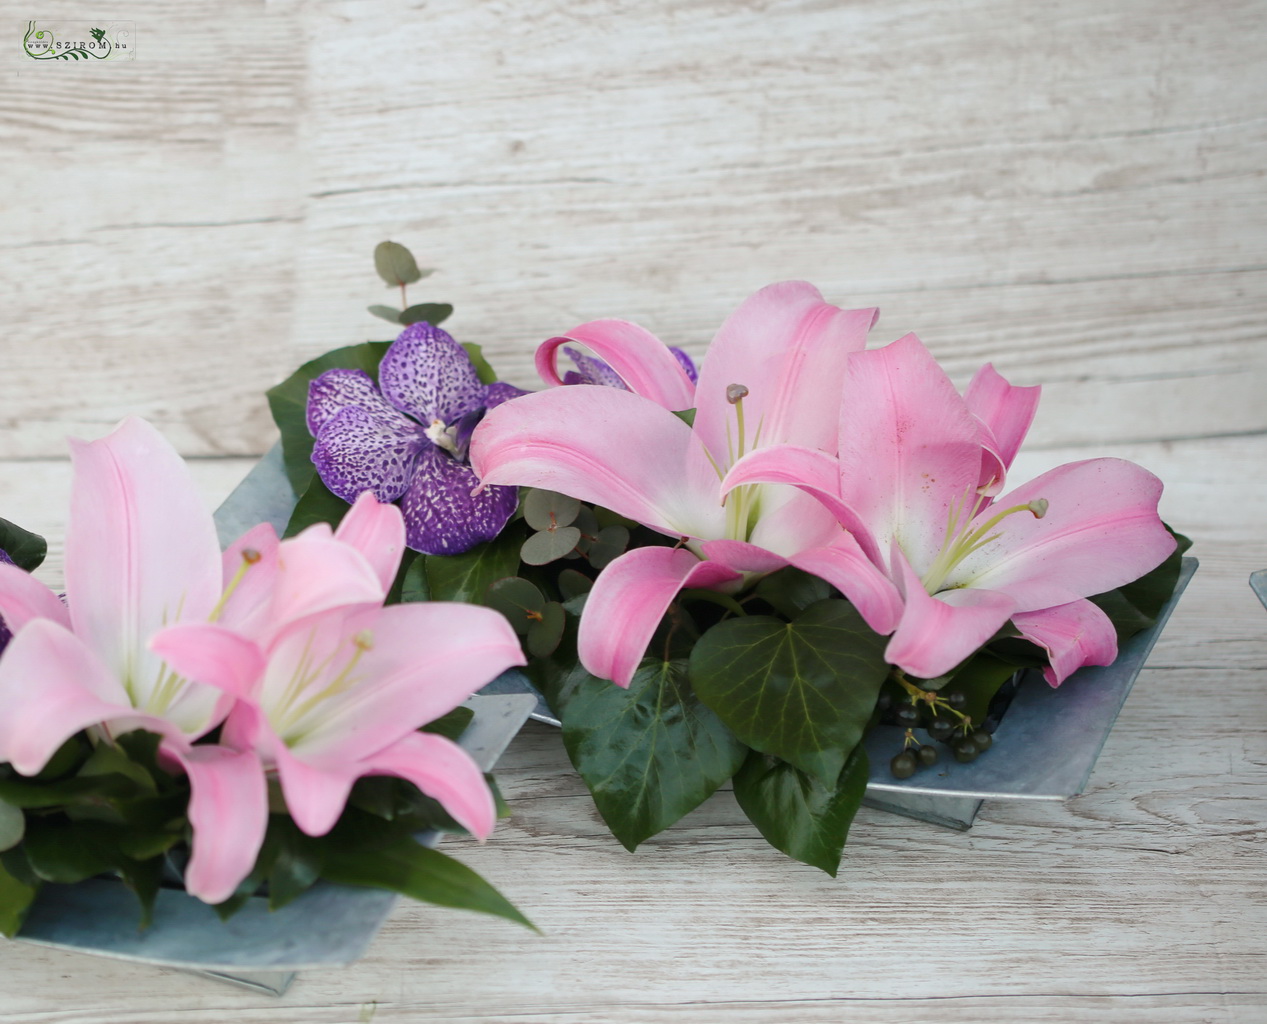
{"points": [[237, 719], [733, 574]]}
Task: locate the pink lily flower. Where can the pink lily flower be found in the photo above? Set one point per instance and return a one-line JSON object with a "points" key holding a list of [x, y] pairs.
{"points": [[914, 480], [142, 554], [771, 376], [341, 695]]}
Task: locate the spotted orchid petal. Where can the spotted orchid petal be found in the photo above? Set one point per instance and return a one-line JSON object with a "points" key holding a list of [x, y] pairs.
{"points": [[228, 812], [1100, 531], [357, 452], [498, 392], [789, 348], [141, 549], [637, 358], [613, 448], [444, 512], [1074, 635], [428, 375], [629, 599], [339, 388]]}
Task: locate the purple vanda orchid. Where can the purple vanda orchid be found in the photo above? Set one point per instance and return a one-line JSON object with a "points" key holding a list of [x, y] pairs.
{"points": [[914, 481], [771, 376], [406, 439], [339, 696], [142, 554]]}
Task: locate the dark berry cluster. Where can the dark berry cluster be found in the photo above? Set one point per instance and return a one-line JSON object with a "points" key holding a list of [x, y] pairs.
{"points": [[941, 717]]}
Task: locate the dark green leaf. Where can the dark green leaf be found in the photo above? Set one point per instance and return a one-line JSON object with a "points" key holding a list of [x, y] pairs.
{"points": [[289, 404], [574, 584], [1136, 606], [25, 548], [22, 792], [648, 754], [414, 584], [543, 636], [16, 897], [451, 725], [67, 757], [518, 600], [796, 813], [609, 545], [434, 313], [12, 826], [790, 591], [389, 313], [419, 873], [802, 691], [546, 546], [547, 510], [70, 852], [687, 416], [318, 504], [107, 759], [978, 679], [395, 264], [294, 862], [467, 577], [143, 877], [485, 372]]}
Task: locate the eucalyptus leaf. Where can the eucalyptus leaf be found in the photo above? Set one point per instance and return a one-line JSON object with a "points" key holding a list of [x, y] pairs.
{"points": [[434, 313], [648, 754], [546, 510], [395, 264], [389, 313], [27, 549], [796, 813], [609, 545], [543, 636], [802, 691], [16, 897], [288, 402], [574, 584], [546, 546], [519, 600], [12, 826]]}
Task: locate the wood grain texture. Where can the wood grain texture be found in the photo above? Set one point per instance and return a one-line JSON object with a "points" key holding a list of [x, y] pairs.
{"points": [[1072, 191]]}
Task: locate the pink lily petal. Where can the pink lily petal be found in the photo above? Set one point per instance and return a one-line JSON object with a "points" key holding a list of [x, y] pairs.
{"points": [[910, 448], [141, 550], [788, 348], [318, 574], [52, 686], [791, 520], [741, 556], [23, 598], [253, 561], [637, 356], [937, 633], [1006, 410], [613, 448], [377, 531], [443, 771], [401, 683], [846, 567], [228, 811], [814, 472], [1074, 634], [315, 795], [211, 654], [628, 601], [1101, 530]]}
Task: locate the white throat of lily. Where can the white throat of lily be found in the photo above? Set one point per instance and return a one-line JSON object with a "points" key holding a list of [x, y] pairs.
{"points": [[302, 703], [169, 686], [963, 538]]}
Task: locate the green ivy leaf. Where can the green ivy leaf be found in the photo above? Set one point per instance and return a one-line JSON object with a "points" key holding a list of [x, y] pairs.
{"points": [[802, 691], [288, 402], [415, 871], [790, 591], [467, 577], [25, 548], [317, 504], [648, 754], [796, 813], [395, 264], [16, 897], [434, 313], [483, 370]]}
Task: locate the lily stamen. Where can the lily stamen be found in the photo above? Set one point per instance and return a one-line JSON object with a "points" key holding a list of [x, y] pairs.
{"points": [[250, 557], [959, 545]]}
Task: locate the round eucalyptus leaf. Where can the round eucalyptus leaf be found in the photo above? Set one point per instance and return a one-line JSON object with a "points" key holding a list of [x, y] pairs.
{"points": [[547, 545], [389, 313], [608, 546], [395, 264], [574, 584], [518, 600], [433, 313], [544, 636], [13, 824], [546, 510]]}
